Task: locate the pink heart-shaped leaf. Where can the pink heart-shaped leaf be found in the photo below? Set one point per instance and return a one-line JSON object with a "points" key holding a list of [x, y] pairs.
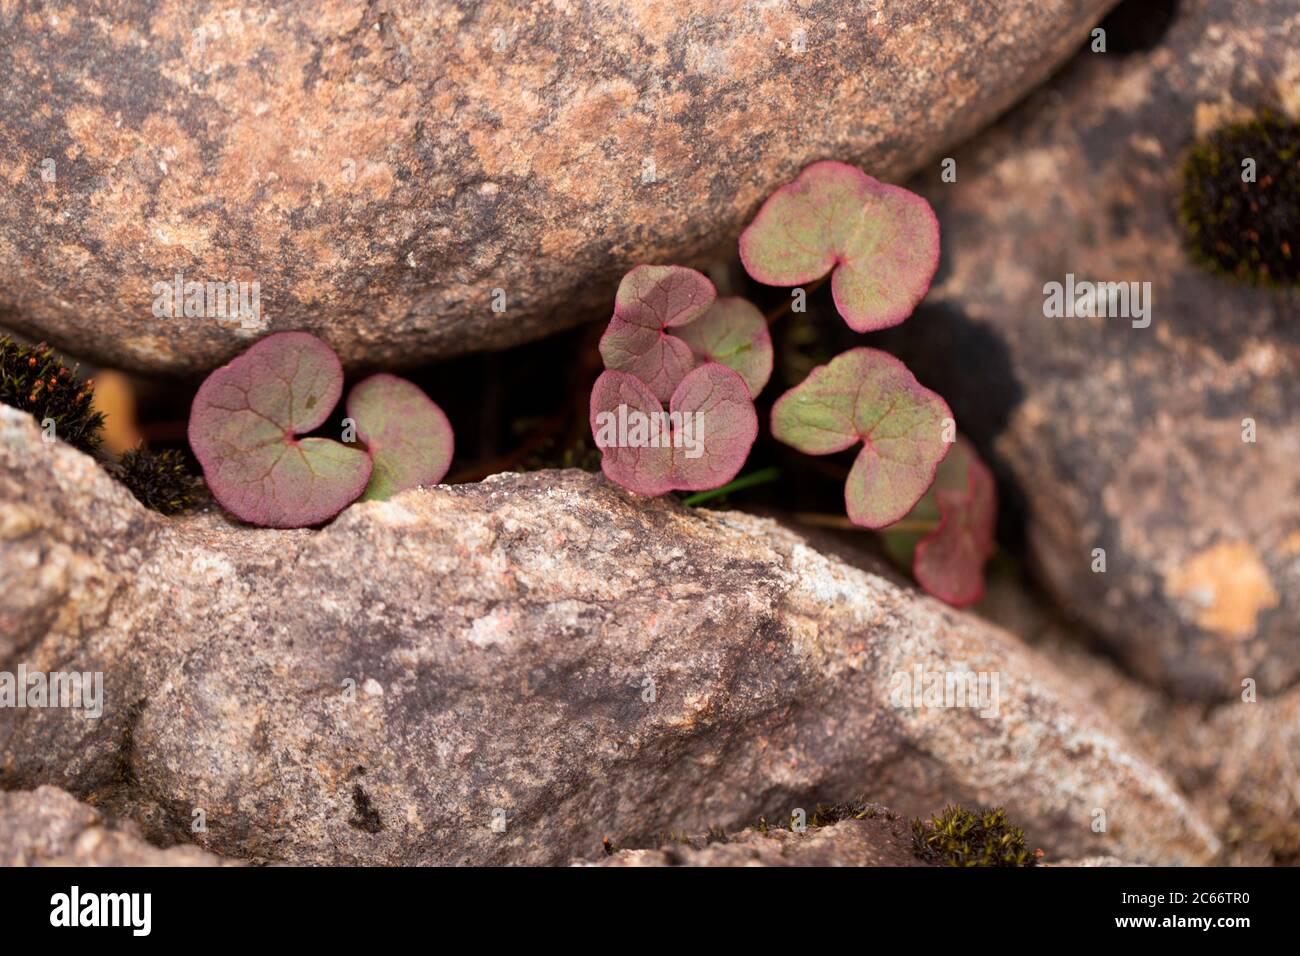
{"points": [[881, 240], [243, 428], [700, 443], [949, 562], [734, 333], [865, 395], [650, 301], [408, 436]]}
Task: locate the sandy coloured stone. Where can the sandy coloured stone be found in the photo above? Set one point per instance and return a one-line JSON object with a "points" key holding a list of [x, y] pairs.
{"points": [[389, 172]]}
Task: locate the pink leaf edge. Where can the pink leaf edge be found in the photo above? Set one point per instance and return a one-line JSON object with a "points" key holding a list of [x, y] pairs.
{"points": [[729, 422], [244, 426], [805, 264], [408, 436], [949, 562]]}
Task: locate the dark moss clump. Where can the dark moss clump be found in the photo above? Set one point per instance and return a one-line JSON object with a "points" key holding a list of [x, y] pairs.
{"points": [[160, 480], [1247, 230], [960, 837], [35, 380]]}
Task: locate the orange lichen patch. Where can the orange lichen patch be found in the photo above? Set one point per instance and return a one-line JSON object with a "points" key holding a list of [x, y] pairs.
{"points": [[1210, 116], [74, 255], [1290, 544], [1229, 585], [122, 34], [117, 215]]}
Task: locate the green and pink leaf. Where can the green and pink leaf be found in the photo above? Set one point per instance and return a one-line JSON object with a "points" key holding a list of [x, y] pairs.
{"points": [[882, 242], [709, 456], [409, 438], [865, 395], [949, 563], [668, 321], [244, 427], [734, 333], [650, 301]]}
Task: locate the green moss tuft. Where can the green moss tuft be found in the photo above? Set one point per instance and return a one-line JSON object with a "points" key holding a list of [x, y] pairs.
{"points": [[159, 480], [1246, 230], [36, 381], [961, 837], [827, 814]]}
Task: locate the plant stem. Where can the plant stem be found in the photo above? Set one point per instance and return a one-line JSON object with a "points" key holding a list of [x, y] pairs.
{"points": [[843, 523], [784, 307], [760, 477], [510, 460], [918, 526]]}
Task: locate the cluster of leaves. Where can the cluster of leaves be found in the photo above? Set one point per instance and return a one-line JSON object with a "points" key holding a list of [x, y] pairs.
{"points": [[961, 837], [880, 245], [248, 416], [37, 381], [1239, 225], [671, 343], [671, 340]]}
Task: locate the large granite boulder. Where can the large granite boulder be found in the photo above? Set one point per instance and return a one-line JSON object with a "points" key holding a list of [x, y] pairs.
{"points": [[516, 671], [390, 172], [1109, 434]]}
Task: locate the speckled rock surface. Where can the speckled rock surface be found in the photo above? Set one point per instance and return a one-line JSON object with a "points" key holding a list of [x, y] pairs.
{"points": [[885, 840], [1238, 762], [50, 827], [1122, 438], [540, 652], [1095, 861], [380, 169]]}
